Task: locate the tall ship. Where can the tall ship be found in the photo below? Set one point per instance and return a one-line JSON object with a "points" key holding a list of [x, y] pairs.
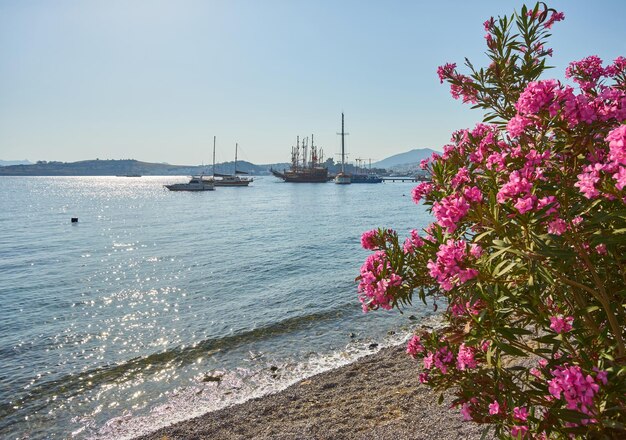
{"points": [[306, 164]]}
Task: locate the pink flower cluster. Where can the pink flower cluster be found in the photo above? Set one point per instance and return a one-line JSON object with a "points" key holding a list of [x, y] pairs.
{"points": [[561, 324], [450, 269], [519, 188], [589, 71], [414, 347], [613, 165], [421, 190], [554, 99], [465, 358], [450, 210], [459, 309], [413, 242], [369, 239], [377, 279], [441, 359], [577, 388], [460, 85]]}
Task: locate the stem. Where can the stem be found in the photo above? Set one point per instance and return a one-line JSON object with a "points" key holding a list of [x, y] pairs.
{"points": [[607, 308]]}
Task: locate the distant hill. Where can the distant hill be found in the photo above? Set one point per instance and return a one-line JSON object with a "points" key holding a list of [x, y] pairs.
{"points": [[405, 160], [128, 167], [6, 163]]}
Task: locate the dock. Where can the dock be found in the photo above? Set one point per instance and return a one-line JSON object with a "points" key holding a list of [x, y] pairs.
{"points": [[405, 179]]}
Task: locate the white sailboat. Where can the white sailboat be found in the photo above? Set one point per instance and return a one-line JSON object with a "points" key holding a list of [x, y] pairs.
{"points": [[229, 179]]}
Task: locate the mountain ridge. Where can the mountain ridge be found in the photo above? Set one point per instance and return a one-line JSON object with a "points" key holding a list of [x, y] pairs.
{"points": [[406, 159]]}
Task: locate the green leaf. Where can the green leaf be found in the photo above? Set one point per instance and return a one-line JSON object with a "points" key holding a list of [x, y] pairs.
{"points": [[508, 268], [498, 253], [509, 349]]}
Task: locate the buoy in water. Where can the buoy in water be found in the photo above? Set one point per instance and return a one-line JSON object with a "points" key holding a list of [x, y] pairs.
{"points": [[74, 219]]}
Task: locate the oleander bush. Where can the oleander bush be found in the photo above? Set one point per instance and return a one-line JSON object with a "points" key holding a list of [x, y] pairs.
{"points": [[528, 248]]}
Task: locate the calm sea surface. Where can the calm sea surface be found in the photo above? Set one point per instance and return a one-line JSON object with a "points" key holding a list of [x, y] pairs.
{"points": [[116, 325]]}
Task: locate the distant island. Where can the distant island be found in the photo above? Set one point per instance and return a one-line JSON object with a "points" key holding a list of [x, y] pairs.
{"points": [[125, 167], [404, 163]]}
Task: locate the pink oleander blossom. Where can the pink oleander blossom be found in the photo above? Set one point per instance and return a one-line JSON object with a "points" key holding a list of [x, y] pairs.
{"points": [[517, 125], [414, 347], [369, 239], [443, 358], [429, 360], [525, 204], [519, 431], [476, 251], [496, 161], [517, 185], [421, 190], [461, 177], [459, 309], [538, 96], [617, 145], [494, 408], [466, 412], [473, 194], [557, 226], [556, 16], [561, 324], [520, 414], [620, 178], [550, 202], [586, 72], [576, 387], [465, 358], [413, 242], [587, 182], [377, 281], [446, 71], [465, 90], [601, 249], [450, 210], [451, 267]]}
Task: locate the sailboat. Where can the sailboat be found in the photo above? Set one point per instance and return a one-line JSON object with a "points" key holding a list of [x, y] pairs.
{"points": [[343, 178], [229, 179]]}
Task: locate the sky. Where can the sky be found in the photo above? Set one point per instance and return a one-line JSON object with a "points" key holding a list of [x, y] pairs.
{"points": [[155, 80]]}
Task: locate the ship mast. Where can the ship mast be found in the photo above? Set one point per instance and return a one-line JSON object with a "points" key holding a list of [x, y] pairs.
{"points": [[343, 153], [235, 173], [213, 157]]}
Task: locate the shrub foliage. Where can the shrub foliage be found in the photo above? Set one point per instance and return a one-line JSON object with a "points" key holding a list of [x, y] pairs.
{"points": [[528, 246]]}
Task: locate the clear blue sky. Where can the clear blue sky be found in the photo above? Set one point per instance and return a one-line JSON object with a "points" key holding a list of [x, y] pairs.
{"points": [[156, 80]]}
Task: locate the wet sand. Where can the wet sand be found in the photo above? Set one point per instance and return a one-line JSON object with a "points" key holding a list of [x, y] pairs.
{"points": [[376, 397]]}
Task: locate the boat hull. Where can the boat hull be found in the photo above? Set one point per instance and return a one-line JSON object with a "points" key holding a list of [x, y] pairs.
{"points": [[366, 178], [183, 187], [316, 175], [242, 183], [343, 179], [195, 184]]}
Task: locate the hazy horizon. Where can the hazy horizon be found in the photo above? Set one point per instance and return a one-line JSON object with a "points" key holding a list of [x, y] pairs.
{"points": [[155, 81]]}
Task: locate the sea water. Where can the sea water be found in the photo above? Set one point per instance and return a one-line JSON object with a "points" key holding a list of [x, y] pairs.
{"points": [[157, 306]]}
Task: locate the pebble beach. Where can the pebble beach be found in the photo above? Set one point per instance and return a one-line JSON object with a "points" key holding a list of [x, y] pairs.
{"points": [[376, 397]]}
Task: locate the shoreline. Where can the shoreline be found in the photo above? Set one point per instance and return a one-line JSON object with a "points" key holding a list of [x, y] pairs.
{"points": [[376, 397]]}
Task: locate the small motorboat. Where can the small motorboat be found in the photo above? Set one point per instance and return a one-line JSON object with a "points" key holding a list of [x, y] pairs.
{"points": [[194, 184]]}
